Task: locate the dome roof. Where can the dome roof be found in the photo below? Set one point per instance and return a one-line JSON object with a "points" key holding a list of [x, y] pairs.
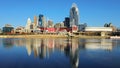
{"points": [[75, 6]]}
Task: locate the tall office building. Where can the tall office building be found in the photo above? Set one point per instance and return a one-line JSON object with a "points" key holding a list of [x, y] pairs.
{"points": [[67, 22], [74, 15], [28, 23], [35, 20], [35, 23], [50, 23], [44, 23], [41, 20]]}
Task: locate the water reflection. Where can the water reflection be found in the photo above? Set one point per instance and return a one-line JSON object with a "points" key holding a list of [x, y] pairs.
{"points": [[8, 43], [97, 44], [43, 48]]}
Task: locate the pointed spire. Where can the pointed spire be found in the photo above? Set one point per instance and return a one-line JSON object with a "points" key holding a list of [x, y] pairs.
{"points": [[29, 20], [74, 5]]}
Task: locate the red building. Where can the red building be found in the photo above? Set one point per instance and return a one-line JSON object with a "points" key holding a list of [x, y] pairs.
{"points": [[50, 29], [63, 29]]}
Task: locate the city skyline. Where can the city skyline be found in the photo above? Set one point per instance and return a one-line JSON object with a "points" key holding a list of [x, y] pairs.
{"points": [[92, 12]]}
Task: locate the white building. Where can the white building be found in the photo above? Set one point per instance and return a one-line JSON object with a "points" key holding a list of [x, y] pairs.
{"points": [[28, 25], [98, 29]]}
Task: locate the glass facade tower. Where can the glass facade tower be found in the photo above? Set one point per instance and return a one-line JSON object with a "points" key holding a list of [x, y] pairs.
{"points": [[74, 15]]}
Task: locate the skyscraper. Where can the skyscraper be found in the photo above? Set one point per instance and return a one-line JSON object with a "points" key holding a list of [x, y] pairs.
{"points": [[74, 15], [44, 23], [40, 20], [35, 23], [67, 22], [35, 20], [28, 23], [28, 26], [50, 23]]}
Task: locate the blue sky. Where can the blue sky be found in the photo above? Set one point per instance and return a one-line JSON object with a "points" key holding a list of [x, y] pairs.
{"points": [[92, 12]]}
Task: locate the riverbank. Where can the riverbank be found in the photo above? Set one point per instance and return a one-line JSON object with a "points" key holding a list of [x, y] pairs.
{"points": [[50, 36]]}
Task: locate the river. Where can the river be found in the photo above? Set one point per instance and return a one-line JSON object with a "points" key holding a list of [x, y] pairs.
{"points": [[59, 53]]}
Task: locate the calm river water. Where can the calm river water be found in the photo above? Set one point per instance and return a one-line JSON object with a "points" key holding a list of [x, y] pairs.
{"points": [[59, 53]]}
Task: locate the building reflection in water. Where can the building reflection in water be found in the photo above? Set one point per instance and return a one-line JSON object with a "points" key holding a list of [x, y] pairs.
{"points": [[43, 48], [72, 50], [8, 42], [95, 44]]}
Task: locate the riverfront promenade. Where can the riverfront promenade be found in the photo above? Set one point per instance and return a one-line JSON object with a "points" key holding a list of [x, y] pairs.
{"points": [[50, 36]]}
